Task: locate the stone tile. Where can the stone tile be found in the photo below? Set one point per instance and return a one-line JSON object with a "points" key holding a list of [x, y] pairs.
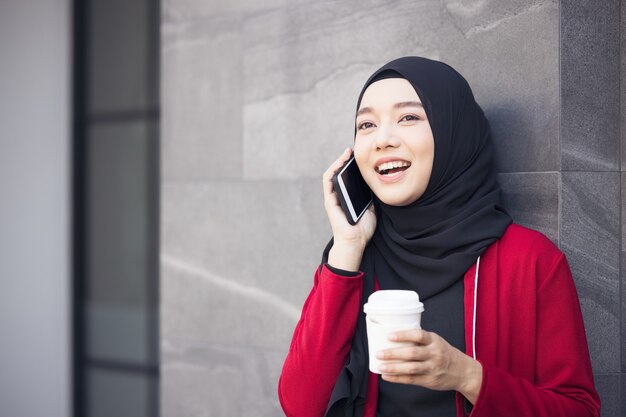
{"points": [[623, 393], [623, 82], [118, 54], [291, 50], [279, 43], [590, 104], [200, 308], [181, 10], [279, 228], [224, 242], [623, 208], [219, 380], [201, 88], [532, 200], [590, 238], [623, 275], [623, 309], [608, 387], [315, 98]]}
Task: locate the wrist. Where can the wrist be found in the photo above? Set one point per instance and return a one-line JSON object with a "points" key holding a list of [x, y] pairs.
{"points": [[472, 380], [346, 256]]}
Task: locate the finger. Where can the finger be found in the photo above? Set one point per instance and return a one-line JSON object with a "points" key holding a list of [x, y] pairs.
{"points": [[331, 201], [328, 175], [402, 379], [371, 209], [406, 353], [418, 336], [403, 368]]}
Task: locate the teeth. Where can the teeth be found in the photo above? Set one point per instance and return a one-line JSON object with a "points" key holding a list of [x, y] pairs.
{"points": [[391, 165]]}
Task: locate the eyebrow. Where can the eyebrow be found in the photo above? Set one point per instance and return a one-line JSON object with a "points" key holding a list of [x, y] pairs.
{"points": [[395, 106]]}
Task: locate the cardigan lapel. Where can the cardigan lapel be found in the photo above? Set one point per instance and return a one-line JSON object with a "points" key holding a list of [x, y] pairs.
{"points": [[487, 306]]}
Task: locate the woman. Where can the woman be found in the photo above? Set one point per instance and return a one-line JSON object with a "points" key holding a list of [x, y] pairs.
{"points": [[503, 333]]}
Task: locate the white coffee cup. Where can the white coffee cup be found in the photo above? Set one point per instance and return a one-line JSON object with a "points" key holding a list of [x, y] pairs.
{"points": [[387, 311]]}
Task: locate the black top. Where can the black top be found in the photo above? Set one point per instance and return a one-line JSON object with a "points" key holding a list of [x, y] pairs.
{"points": [[443, 314]]}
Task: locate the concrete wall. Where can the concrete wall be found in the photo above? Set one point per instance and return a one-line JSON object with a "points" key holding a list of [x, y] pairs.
{"points": [[259, 100], [35, 71]]}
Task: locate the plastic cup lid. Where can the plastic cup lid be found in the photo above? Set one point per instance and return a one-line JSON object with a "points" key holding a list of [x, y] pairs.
{"points": [[393, 302]]}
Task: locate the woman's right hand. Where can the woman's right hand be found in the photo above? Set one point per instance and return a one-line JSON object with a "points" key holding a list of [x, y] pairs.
{"points": [[349, 240]]}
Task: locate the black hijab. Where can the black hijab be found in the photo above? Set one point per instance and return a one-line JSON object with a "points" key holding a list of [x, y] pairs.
{"points": [[428, 245]]}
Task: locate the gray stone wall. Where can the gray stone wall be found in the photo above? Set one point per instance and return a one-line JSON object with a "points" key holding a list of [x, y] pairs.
{"points": [[258, 99]]}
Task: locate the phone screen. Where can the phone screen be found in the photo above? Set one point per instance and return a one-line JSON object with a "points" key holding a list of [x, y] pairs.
{"points": [[355, 195]]}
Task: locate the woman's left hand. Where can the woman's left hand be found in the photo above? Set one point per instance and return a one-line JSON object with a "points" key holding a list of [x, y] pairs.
{"points": [[432, 363]]}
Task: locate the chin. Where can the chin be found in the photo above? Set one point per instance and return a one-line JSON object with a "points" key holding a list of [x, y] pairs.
{"points": [[395, 200], [398, 198]]}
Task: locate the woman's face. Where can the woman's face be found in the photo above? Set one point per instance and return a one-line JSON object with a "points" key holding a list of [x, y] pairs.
{"points": [[394, 145]]}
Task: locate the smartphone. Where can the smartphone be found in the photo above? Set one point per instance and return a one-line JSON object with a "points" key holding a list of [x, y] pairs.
{"points": [[354, 194]]}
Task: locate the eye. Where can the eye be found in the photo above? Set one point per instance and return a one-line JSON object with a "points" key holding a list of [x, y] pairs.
{"points": [[365, 125], [409, 118]]}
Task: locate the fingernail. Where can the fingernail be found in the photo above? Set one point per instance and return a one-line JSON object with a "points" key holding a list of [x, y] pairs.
{"points": [[392, 336], [382, 368], [380, 354]]}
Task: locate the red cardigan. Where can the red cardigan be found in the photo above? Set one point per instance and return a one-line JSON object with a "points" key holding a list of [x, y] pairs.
{"points": [[530, 337]]}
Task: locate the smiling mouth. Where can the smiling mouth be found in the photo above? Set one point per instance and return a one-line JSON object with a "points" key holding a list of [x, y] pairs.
{"points": [[392, 168]]}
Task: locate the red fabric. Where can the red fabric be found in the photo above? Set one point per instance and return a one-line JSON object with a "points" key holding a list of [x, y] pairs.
{"points": [[530, 338]]}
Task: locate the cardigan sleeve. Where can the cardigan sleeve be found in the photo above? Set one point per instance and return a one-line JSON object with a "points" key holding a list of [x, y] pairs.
{"points": [[563, 383], [320, 344]]}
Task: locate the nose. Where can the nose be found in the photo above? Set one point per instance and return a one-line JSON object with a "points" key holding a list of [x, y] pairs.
{"points": [[386, 137]]}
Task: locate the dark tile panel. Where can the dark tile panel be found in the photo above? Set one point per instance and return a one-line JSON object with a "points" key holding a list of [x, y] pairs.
{"points": [[589, 236], [623, 273], [532, 199], [623, 209], [590, 85], [608, 386], [623, 82], [525, 136], [623, 308], [623, 393]]}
